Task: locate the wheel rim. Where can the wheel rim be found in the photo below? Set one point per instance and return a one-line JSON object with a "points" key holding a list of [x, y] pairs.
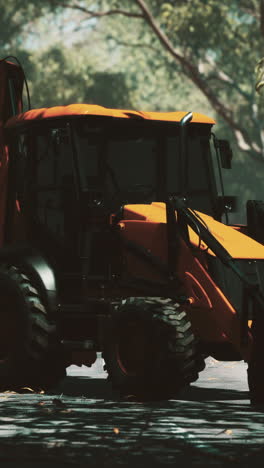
{"points": [[131, 348], [9, 324]]}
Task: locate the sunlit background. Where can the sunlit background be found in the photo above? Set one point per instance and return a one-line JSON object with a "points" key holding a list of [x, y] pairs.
{"points": [[197, 55]]}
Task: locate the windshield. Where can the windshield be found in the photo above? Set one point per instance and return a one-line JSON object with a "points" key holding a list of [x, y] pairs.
{"points": [[140, 164], [122, 164], [133, 161]]}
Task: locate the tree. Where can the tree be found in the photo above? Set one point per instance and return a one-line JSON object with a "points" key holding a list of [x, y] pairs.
{"points": [[260, 64], [214, 44], [194, 55], [61, 78], [260, 75], [15, 16], [58, 74]]}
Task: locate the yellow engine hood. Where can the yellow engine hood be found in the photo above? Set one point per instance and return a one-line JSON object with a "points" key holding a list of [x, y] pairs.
{"points": [[238, 245]]}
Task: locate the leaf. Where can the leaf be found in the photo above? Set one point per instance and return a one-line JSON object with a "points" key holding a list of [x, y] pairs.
{"points": [[130, 397], [58, 403], [47, 410], [226, 431], [28, 389]]}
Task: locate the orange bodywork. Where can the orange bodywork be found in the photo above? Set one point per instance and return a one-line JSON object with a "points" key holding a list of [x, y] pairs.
{"points": [[146, 225], [94, 110], [235, 242]]}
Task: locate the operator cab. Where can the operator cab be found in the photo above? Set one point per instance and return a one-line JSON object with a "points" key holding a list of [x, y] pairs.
{"points": [[73, 167]]}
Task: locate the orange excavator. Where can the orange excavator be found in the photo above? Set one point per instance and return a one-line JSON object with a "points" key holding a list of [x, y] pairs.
{"points": [[115, 238]]}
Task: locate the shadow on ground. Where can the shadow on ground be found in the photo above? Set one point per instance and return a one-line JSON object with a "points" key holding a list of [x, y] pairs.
{"points": [[101, 389], [83, 423]]}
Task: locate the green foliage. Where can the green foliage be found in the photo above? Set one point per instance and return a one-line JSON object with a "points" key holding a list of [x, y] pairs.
{"points": [[118, 60], [109, 90], [63, 79], [14, 15], [260, 75]]}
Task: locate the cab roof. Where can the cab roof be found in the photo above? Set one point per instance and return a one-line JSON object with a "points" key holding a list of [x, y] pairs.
{"points": [[77, 110]]}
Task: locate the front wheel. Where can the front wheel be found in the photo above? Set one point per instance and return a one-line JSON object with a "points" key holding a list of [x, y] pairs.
{"points": [[29, 353], [150, 351]]}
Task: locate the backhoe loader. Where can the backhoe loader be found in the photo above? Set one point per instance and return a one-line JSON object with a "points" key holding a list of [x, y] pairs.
{"points": [[115, 238]]}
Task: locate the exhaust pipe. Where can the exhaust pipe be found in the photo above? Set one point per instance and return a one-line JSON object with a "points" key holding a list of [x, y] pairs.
{"points": [[183, 159]]}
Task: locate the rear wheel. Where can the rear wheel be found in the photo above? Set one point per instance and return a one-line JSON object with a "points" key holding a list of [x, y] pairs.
{"points": [[29, 353], [255, 221], [150, 351], [255, 366]]}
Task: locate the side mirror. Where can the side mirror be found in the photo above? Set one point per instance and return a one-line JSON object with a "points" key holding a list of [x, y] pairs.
{"points": [[225, 152]]}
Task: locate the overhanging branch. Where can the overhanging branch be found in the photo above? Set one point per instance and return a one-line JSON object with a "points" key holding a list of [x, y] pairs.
{"points": [[96, 14], [192, 71]]}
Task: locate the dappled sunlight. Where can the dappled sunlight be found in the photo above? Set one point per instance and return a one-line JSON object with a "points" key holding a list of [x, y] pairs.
{"points": [[84, 418]]}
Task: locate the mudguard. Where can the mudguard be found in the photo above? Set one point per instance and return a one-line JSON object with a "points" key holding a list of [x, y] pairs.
{"points": [[37, 267]]}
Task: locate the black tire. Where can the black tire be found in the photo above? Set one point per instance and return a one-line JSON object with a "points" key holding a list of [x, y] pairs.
{"points": [[27, 336], [255, 365], [150, 351], [255, 220]]}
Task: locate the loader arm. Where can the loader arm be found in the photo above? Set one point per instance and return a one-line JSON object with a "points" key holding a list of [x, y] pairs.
{"points": [[251, 290]]}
